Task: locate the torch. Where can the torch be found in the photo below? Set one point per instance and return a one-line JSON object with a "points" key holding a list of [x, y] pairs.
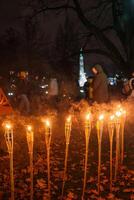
{"points": [[9, 142], [87, 136], [117, 128], [30, 140], [111, 126], [48, 134], [100, 124], [123, 119], [68, 125]]}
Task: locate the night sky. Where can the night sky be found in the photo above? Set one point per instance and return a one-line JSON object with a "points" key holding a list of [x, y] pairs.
{"points": [[9, 12]]}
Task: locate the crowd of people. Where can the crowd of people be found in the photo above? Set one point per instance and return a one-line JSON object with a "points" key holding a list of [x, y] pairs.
{"points": [[34, 95], [97, 88]]}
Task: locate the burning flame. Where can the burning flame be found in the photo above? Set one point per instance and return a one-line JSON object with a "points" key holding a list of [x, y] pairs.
{"points": [[8, 126], [47, 122], [101, 117], [69, 119], [29, 128], [118, 113], [88, 116], [112, 117]]}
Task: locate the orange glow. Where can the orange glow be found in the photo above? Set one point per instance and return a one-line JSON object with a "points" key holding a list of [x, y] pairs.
{"points": [[124, 112], [119, 106], [8, 126], [101, 117], [69, 119], [88, 116], [47, 122], [118, 114], [112, 117], [29, 128]]}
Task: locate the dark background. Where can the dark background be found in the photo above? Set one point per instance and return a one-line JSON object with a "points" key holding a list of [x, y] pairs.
{"points": [[46, 36]]}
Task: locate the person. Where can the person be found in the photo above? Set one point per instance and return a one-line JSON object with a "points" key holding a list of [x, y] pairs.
{"points": [[53, 92], [128, 87], [100, 85], [24, 104], [131, 81], [53, 87], [88, 89]]}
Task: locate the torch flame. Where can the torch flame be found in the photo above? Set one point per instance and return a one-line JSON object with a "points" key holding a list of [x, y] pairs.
{"points": [[69, 119], [47, 122], [29, 128], [101, 117], [118, 113], [112, 117], [88, 116], [8, 126]]}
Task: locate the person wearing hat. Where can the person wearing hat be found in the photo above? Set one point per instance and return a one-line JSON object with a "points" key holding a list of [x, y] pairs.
{"points": [[100, 85]]}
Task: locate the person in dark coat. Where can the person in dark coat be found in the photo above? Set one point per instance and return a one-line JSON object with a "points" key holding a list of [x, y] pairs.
{"points": [[88, 89], [100, 85]]}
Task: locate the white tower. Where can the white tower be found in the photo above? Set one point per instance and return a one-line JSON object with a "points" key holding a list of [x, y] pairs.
{"points": [[82, 75]]}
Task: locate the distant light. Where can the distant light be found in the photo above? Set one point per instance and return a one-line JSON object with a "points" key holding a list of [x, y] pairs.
{"points": [[81, 91], [44, 86], [10, 94], [46, 92], [111, 83]]}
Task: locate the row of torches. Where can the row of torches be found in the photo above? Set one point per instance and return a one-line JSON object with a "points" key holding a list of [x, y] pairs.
{"points": [[116, 123]]}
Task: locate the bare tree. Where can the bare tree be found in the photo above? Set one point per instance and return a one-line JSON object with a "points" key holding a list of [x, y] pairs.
{"points": [[91, 17]]}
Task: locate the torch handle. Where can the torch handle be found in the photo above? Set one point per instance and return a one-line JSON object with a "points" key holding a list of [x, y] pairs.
{"points": [[99, 165], [122, 142], [11, 176], [48, 168], [85, 170], [65, 169], [31, 175], [117, 150], [111, 166]]}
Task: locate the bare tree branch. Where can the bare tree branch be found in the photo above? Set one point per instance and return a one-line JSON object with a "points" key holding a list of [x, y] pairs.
{"points": [[97, 32], [52, 8]]}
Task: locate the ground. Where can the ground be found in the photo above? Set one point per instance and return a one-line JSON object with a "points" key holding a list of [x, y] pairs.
{"points": [[123, 188]]}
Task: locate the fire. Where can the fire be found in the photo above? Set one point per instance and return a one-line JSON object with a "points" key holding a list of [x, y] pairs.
{"points": [[8, 126], [101, 117], [112, 117], [69, 119], [118, 113], [29, 128], [47, 122], [88, 116]]}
